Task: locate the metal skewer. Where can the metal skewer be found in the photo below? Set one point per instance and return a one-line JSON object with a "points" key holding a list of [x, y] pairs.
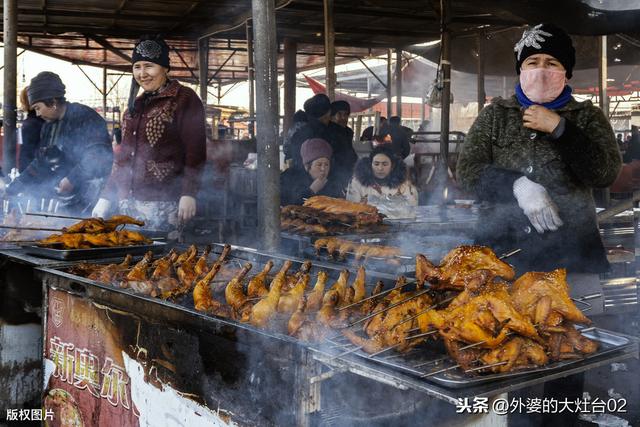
{"points": [[353, 350], [509, 254], [30, 228], [415, 316], [376, 295], [479, 368], [53, 215], [386, 309]]}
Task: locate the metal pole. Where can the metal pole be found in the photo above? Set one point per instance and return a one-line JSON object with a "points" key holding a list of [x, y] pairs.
{"points": [[203, 68], [446, 80], [329, 49], [104, 92], [290, 69], [604, 99], [251, 80], [389, 80], [482, 96], [9, 109], [268, 174], [399, 82]]}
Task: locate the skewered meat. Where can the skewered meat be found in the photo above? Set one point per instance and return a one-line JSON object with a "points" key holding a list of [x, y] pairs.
{"points": [[455, 268], [368, 305], [360, 251], [202, 266], [327, 315], [109, 272], [298, 317], [189, 253], [487, 317], [544, 298], [359, 285], [264, 310], [99, 225], [202, 298], [137, 278], [234, 292], [292, 280], [257, 287], [341, 284], [300, 226], [314, 299], [518, 352], [86, 240], [339, 206], [290, 300], [569, 344]]}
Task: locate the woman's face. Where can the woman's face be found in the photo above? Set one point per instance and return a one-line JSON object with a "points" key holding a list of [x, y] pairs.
{"points": [[381, 165], [150, 76], [319, 168], [542, 60]]}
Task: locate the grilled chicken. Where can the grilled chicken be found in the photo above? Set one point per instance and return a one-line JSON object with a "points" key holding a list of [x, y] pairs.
{"points": [[314, 299], [264, 310], [327, 315], [569, 344], [341, 284], [137, 278], [108, 273], [518, 353], [234, 292], [257, 287], [368, 306], [359, 285], [290, 300], [202, 266], [298, 317], [202, 298], [455, 268], [544, 298]]}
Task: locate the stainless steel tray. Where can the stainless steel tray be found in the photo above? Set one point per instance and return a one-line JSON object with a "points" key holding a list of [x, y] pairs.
{"points": [[416, 362], [78, 254]]}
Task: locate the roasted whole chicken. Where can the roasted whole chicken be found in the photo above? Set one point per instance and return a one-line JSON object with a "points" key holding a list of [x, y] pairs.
{"points": [[518, 353], [455, 268]]}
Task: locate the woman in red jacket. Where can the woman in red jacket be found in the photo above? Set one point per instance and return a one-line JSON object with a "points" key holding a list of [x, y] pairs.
{"points": [[157, 168]]}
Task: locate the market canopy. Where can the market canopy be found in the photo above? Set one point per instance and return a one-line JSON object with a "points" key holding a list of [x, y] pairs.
{"points": [[102, 32]]}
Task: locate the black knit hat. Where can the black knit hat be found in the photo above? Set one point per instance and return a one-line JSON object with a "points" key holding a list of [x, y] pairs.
{"points": [[46, 85], [549, 39], [340, 106], [151, 49], [317, 106]]}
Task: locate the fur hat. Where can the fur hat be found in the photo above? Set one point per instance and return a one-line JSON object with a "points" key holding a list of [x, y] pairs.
{"points": [[315, 148], [317, 106], [549, 39]]}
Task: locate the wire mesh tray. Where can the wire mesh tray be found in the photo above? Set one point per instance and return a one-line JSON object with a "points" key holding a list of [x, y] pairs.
{"points": [[430, 357], [92, 253]]}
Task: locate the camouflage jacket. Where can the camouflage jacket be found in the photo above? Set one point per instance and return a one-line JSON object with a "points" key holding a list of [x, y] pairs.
{"points": [[499, 149]]}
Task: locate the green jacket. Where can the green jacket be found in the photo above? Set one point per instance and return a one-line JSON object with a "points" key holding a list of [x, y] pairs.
{"points": [[498, 150]]}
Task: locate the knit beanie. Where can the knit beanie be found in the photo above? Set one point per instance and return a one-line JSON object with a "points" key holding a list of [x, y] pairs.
{"points": [[317, 106], [337, 106], [315, 148], [46, 85], [549, 39], [153, 50]]}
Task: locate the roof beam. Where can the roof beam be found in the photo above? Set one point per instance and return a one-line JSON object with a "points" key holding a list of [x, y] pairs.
{"points": [[108, 46]]}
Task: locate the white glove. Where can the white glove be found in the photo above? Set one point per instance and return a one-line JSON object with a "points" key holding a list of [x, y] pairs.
{"points": [[186, 208], [537, 205], [101, 209]]}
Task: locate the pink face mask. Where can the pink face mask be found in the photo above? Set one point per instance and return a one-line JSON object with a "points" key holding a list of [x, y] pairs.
{"points": [[541, 84]]}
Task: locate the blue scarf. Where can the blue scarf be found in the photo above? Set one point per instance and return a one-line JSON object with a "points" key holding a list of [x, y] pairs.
{"points": [[559, 102]]}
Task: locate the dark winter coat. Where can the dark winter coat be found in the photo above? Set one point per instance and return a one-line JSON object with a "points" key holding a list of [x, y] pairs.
{"points": [[163, 148], [294, 187], [344, 156], [76, 147], [312, 129], [30, 136], [399, 138], [498, 150]]}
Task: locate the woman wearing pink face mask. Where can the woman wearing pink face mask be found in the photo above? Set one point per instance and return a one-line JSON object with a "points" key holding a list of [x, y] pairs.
{"points": [[535, 159]]}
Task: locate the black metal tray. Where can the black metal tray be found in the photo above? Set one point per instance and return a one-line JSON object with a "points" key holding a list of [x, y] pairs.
{"points": [[92, 253], [417, 361]]}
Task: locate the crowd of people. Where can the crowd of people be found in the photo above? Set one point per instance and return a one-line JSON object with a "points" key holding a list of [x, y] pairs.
{"points": [[322, 161]]}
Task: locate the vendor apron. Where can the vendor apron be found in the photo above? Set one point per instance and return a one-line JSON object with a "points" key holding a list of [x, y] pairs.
{"points": [[161, 216], [583, 284]]}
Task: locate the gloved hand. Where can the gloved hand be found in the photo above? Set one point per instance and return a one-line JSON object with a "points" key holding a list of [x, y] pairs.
{"points": [[186, 208], [101, 209], [537, 205]]}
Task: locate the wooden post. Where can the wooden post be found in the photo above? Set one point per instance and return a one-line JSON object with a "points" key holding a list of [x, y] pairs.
{"points": [[329, 49], [251, 80], [399, 82], [389, 80], [290, 70], [203, 68], [9, 107], [482, 96], [268, 173]]}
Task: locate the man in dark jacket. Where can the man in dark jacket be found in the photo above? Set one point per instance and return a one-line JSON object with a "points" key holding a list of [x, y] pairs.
{"points": [[341, 140], [75, 154], [398, 135], [318, 109]]}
